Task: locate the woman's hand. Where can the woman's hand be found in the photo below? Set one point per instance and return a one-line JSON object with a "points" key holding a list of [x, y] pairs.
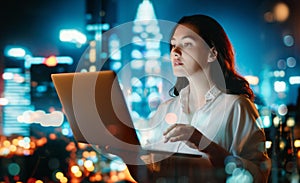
{"points": [[183, 132]]}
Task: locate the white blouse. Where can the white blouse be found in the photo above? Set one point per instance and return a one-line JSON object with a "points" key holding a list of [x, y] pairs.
{"points": [[231, 121]]}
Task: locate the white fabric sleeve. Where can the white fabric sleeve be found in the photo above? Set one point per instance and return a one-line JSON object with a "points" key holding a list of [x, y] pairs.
{"points": [[249, 140]]}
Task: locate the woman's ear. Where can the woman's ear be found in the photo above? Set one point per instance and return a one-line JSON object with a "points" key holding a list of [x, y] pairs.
{"points": [[212, 54]]}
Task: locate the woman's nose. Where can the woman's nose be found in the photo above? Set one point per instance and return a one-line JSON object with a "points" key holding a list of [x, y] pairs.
{"points": [[176, 52]]}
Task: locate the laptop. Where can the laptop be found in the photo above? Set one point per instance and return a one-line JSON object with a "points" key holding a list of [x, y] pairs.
{"points": [[97, 111]]}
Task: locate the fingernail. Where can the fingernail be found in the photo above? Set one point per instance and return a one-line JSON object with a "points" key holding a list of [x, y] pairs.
{"points": [[166, 140]]}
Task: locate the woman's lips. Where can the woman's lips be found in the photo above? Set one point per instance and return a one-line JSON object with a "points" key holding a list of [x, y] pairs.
{"points": [[177, 62]]}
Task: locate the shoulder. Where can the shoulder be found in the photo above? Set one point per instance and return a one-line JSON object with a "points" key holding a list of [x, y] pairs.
{"points": [[239, 101], [243, 111]]}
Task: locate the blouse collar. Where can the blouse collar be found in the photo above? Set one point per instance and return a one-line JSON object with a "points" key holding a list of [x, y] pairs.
{"points": [[212, 93]]}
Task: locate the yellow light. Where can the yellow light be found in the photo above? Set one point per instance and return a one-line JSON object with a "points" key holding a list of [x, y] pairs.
{"points": [[15, 142], [298, 154], [92, 55], [290, 122], [12, 148], [88, 163], [121, 176], [6, 143], [59, 175], [92, 68], [93, 43], [276, 121], [90, 168], [282, 145], [63, 180], [50, 61], [38, 181], [93, 154], [281, 12], [82, 145], [74, 169], [297, 143], [85, 154], [78, 174]]}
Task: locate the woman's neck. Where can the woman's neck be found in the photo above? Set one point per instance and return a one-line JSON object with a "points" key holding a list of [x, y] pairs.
{"points": [[199, 86]]}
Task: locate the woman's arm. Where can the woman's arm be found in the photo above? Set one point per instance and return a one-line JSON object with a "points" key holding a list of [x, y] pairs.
{"points": [[218, 155]]}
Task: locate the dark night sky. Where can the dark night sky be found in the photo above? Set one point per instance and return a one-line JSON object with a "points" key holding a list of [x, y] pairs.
{"points": [[35, 24]]}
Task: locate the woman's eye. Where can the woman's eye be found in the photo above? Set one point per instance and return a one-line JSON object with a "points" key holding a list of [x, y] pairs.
{"points": [[187, 44]]}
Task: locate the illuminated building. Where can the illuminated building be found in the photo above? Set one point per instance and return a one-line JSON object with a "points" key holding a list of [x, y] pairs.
{"points": [[149, 70], [17, 93]]}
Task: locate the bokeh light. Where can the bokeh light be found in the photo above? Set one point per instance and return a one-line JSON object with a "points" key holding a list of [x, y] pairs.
{"points": [[268, 144], [13, 169], [59, 175], [288, 40], [281, 12], [171, 118], [282, 110], [291, 62], [290, 122], [297, 143]]}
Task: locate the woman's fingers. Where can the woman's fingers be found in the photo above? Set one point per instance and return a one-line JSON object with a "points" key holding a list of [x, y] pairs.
{"points": [[177, 138], [178, 132], [170, 128]]}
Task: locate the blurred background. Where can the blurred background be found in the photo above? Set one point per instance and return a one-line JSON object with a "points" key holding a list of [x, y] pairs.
{"points": [[39, 38]]}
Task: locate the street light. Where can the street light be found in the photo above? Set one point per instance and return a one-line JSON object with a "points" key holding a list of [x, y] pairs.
{"points": [[17, 52], [72, 36]]}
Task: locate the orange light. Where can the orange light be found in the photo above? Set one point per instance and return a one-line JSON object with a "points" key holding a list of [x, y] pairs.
{"points": [[50, 61]]}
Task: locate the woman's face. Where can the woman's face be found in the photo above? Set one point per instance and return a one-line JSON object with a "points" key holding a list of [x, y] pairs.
{"points": [[189, 53]]}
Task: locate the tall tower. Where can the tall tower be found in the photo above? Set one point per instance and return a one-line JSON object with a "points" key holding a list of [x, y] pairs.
{"points": [[147, 63]]}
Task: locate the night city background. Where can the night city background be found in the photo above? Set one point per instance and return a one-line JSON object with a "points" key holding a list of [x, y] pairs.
{"points": [[265, 35]]}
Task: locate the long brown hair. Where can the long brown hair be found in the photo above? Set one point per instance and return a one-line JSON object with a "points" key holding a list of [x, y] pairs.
{"points": [[214, 35]]}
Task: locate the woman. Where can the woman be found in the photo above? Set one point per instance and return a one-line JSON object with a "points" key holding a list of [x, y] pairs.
{"points": [[212, 111]]}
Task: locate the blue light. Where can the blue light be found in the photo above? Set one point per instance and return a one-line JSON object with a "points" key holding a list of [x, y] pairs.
{"points": [[73, 36], [291, 62], [17, 52], [266, 121], [288, 40], [41, 88], [116, 65]]}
